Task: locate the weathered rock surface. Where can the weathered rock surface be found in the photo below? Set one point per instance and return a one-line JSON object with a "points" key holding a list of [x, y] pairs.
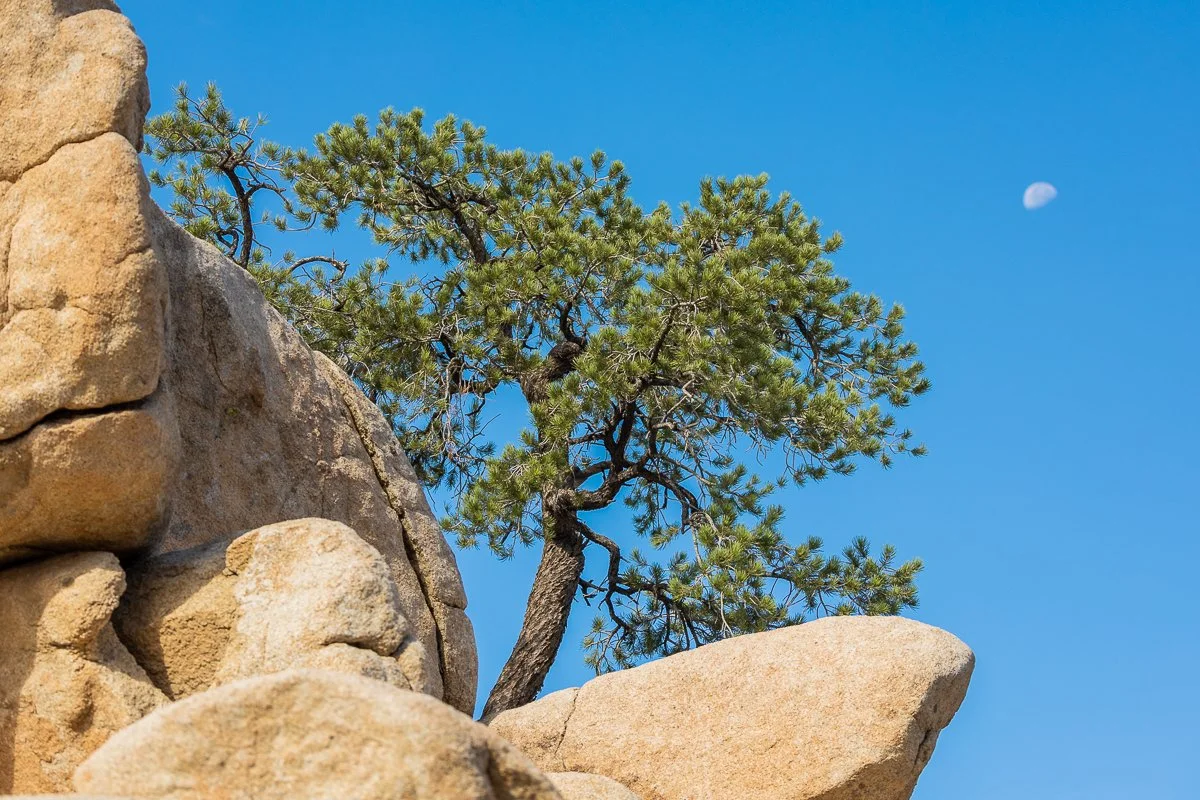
{"points": [[100, 479], [272, 431], [582, 786], [72, 70], [66, 682], [845, 708], [302, 593], [82, 294], [431, 555], [126, 342], [310, 733]]}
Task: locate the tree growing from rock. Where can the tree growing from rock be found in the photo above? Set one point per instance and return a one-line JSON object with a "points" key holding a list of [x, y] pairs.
{"points": [[200, 139], [218, 172], [561, 349]]}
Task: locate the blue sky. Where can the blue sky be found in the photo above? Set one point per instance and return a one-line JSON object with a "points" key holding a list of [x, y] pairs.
{"points": [[1052, 511]]}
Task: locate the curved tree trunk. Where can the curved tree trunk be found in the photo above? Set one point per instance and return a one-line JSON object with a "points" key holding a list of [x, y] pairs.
{"points": [[546, 615]]}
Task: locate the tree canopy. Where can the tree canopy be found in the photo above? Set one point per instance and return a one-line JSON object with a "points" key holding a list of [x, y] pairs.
{"points": [[555, 348]]}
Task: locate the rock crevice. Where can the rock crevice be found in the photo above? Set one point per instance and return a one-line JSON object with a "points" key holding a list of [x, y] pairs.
{"points": [[398, 508], [66, 682]]}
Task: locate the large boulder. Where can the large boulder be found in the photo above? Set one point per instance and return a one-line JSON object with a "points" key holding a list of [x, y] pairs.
{"points": [[844, 708], [66, 682], [310, 733], [83, 309], [151, 400], [303, 593], [86, 482]]}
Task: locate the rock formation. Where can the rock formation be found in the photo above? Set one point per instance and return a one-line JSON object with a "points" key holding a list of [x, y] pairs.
{"points": [[844, 708], [121, 334], [302, 593], [66, 682], [83, 295], [310, 733], [295, 622], [277, 432]]}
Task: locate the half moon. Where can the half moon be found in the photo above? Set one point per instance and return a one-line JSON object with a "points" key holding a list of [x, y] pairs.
{"points": [[1039, 194]]}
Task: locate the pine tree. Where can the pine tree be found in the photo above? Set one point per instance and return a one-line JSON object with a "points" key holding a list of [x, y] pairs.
{"points": [[647, 349]]}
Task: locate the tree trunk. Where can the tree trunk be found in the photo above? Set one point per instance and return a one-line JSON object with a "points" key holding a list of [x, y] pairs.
{"points": [[546, 614]]}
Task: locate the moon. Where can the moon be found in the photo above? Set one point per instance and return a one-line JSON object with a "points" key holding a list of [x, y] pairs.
{"points": [[1039, 194]]}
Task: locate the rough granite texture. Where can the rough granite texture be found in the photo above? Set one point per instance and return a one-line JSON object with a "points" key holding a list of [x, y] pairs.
{"points": [[301, 593], [73, 70], [82, 294], [582, 786], [66, 682], [102, 479], [309, 733], [271, 431], [844, 708], [84, 300]]}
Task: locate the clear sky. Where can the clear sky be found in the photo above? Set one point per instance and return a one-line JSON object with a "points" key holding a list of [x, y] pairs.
{"points": [[1052, 511]]}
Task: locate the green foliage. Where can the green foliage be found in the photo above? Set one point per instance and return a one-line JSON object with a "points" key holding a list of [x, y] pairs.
{"points": [[654, 354], [218, 172], [216, 169]]}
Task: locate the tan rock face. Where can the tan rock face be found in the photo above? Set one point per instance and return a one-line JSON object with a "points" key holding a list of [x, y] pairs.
{"points": [[97, 481], [72, 70], [845, 708], [237, 369], [309, 733], [66, 682], [150, 398], [430, 553], [82, 294], [302, 593], [83, 312], [582, 786]]}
